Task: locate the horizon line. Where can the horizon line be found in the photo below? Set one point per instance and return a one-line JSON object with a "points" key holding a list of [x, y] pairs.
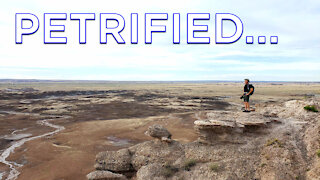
{"points": [[61, 80]]}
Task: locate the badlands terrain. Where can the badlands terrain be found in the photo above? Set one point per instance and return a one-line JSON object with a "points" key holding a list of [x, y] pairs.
{"points": [[53, 130]]}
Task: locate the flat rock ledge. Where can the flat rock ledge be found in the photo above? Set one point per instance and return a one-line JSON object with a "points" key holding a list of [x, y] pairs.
{"points": [[220, 126]]}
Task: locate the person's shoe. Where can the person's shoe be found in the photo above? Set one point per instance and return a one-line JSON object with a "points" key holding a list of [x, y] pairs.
{"points": [[248, 111], [245, 111]]}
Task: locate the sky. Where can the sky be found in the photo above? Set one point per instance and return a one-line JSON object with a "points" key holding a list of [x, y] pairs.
{"points": [[294, 58]]}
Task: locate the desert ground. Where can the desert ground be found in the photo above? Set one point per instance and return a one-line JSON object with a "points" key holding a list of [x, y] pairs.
{"points": [[60, 126]]}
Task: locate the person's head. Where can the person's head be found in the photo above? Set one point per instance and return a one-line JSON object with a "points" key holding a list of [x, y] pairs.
{"points": [[246, 81]]}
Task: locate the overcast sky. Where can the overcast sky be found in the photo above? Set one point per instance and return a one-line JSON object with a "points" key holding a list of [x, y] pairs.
{"points": [[295, 58]]}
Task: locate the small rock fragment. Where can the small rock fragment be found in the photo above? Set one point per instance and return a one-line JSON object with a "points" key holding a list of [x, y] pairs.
{"points": [[158, 131]]}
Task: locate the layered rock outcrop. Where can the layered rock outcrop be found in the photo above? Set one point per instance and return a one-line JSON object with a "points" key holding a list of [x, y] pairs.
{"points": [[222, 126], [232, 145]]}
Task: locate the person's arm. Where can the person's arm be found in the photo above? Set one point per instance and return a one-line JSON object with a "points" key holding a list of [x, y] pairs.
{"points": [[251, 89]]}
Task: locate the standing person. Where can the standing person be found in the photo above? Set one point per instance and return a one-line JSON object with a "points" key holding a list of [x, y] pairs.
{"points": [[248, 91]]}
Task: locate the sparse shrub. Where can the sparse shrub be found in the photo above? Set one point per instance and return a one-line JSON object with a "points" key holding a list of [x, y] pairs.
{"points": [[308, 169], [318, 153], [274, 141], [267, 157], [311, 108], [263, 165], [169, 170], [214, 167], [189, 163]]}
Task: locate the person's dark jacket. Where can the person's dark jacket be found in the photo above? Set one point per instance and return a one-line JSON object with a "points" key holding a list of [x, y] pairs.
{"points": [[247, 88]]}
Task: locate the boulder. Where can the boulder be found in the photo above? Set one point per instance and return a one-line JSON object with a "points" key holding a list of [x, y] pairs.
{"points": [[105, 175], [158, 131], [155, 152], [151, 171], [116, 161]]}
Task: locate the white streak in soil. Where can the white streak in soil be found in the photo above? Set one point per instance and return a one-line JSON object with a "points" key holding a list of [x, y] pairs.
{"points": [[14, 173]]}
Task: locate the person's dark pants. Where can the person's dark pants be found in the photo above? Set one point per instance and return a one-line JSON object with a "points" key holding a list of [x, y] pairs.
{"points": [[246, 98]]}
